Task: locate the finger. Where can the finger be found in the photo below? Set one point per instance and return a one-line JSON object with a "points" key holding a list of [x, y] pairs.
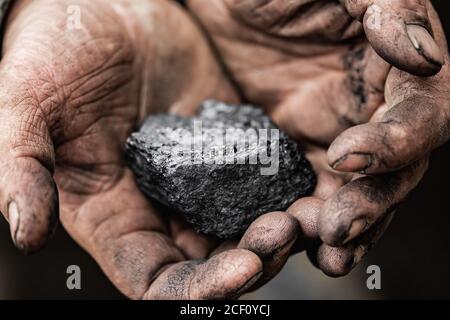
{"points": [[359, 93], [400, 32], [28, 195], [271, 238], [295, 19], [334, 261], [328, 180], [364, 202], [131, 243], [121, 231], [407, 132], [224, 276], [339, 261], [306, 212], [414, 123]]}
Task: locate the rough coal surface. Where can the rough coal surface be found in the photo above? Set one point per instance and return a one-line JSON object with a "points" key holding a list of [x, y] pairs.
{"points": [[220, 199]]}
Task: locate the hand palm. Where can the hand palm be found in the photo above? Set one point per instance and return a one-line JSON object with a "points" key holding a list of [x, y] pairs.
{"points": [[90, 88]]}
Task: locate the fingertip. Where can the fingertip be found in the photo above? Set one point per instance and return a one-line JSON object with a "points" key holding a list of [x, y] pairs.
{"points": [[335, 262], [330, 228], [247, 265], [227, 275], [30, 230], [306, 211], [271, 237], [270, 233], [401, 33], [427, 47], [355, 150], [333, 234], [409, 47], [339, 223], [244, 262], [32, 205]]}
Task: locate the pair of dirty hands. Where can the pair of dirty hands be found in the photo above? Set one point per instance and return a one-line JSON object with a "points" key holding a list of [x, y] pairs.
{"points": [[362, 84]]}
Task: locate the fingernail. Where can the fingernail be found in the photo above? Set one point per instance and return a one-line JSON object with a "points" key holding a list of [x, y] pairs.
{"points": [[354, 162], [424, 43], [14, 220], [356, 228]]}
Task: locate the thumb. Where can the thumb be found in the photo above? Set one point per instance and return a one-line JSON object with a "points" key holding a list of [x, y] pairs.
{"points": [[28, 195], [400, 32]]}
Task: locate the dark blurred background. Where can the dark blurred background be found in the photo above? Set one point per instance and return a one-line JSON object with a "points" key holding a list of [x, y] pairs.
{"points": [[413, 255]]}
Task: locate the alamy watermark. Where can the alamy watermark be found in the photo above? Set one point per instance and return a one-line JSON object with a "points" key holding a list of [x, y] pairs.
{"points": [[73, 17], [373, 21], [226, 146], [73, 281], [374, 280]]}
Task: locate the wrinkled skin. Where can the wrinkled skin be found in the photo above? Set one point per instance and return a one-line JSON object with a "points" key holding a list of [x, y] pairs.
{"points": [[357, 99], [360, 98]]}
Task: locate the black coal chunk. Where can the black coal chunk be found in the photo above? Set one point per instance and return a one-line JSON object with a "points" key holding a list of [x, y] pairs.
{"points": [[221, 169]]}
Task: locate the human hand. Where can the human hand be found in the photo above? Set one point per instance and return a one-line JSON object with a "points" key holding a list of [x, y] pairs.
{"points": [[69, 98], [368, 100]]}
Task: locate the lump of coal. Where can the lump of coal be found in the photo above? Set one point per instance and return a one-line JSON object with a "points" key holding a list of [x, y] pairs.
{"points": [[221, 169]]}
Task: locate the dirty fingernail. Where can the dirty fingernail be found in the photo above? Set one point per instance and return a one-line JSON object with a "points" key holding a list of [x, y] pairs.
{"points": [[356, 228], [354, 162], [14, 220], [424, 43]]}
